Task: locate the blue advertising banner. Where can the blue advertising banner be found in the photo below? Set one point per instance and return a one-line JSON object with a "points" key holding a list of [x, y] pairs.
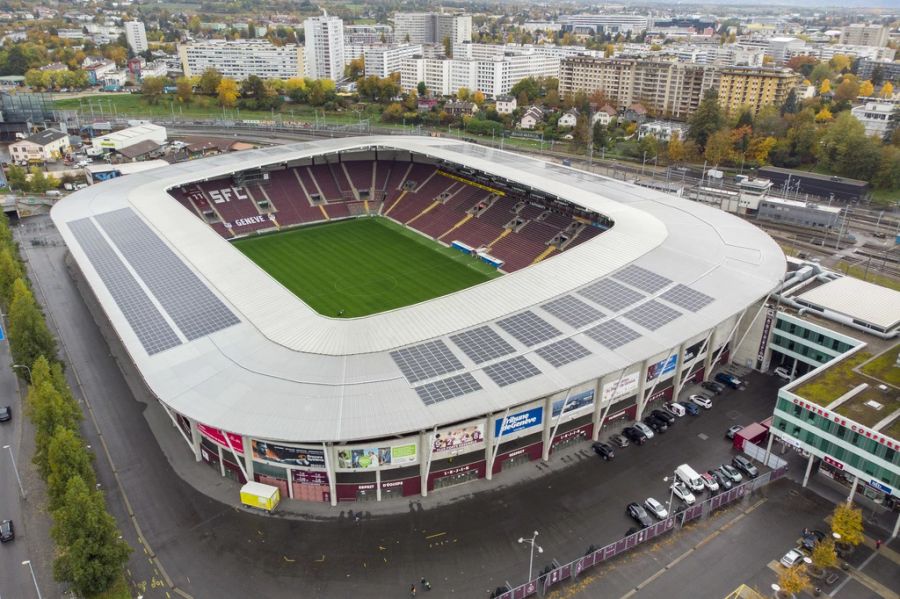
{"points": [[662, 367], [518, 422]]}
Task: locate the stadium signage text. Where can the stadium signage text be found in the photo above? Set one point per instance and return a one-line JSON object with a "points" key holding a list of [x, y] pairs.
{"points": [[518, 422], [250, 220], [220, 196], [856, 428]]}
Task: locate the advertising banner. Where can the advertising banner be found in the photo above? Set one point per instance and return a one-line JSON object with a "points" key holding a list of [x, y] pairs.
{"points": [[374, 457], [453, 440], [576, 401], [661, 368], [217, 436], [521, 421], [310, 477], [627, 386], [287, 455]]}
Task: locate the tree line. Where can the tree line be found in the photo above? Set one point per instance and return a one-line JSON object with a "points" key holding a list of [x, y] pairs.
{"points": [[90, 553]]}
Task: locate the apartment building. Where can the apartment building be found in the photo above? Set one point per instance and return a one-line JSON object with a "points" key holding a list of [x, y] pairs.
{"points": [[136, 36], [324, 52], [240, 59], [383, 59], [754, 87], [432, 28], [861, 34], [879, 118], [605, 23], [664, 87], [358, 35]]}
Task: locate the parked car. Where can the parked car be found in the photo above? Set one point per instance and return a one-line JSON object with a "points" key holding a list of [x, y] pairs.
{"points": [[712, 387], [701, 400], [5, 414], [745, 466], [731, 472], [604, 450], [791, 558], [732, 431], [811, 538], [7, 531], [635, 435], [662, 414], [658, 426], [656, 508], [618, 441], [648, 432], [728, 379], [639, 514], [709, 482], [683, 493], [724, 481], [783, 373], [675, 409], [690, 407]]}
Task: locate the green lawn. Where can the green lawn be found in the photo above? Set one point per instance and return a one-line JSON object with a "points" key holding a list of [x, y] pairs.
{"points": [[362, 266]]}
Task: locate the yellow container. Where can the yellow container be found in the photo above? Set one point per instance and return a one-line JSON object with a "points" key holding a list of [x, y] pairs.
{"points": [[258, 495]]}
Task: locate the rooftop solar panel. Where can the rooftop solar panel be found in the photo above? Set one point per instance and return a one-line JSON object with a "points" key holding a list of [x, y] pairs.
{"points": [[652, 315], [573, 311], [611, 295], [444, 389], [612, 334], [192, 306], [142, 315], [482, 344], [642, 278], [563, 352], [687, 298], [528, 328], [511, 371], [425, 360]]}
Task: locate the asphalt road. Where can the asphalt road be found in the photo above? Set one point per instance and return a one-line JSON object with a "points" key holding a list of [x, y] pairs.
{"points": [[464, 548]]}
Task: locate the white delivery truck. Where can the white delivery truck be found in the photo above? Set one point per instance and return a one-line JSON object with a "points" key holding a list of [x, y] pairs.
{"points": [[689, 477]]}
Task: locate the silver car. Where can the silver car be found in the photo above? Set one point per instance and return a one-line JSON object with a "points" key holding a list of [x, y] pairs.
{"points": [[648, 432], [656, 508]]}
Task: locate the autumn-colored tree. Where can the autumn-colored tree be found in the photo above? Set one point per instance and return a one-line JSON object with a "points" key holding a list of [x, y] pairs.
{"points": [[824, 555], [866, 89], [184, 91], [825, 87], [478, 98], [840, 63], [847, 521], [887, 90], [848, 90], [209, 81], [675, 149], [463, 93], [824, 115], [719, 147], [227, 91], [355, 69], [759, 149], [794, 580]]}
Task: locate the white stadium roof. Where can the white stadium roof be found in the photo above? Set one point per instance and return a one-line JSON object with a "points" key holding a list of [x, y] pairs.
{"points": [[260, 362]]}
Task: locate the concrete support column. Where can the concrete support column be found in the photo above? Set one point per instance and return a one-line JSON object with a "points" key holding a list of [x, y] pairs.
{"points": [[425, 452], [221, 460], [768, 449], [548, 428], [489, 447], [195, 439], [330, 461], [248, 457], [598, 410], [896, 530], [642, 388], [290, 481], [710, 353], [679, 366], [809, 464], [378, 484], [853, 489]]}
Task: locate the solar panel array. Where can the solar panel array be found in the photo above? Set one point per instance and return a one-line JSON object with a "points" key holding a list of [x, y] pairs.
{"points": [[426, 360], [572, 311], [511, 371], [612, 334], [687, 298], [482, 344], [652, 315], [448, 388], [191, 305], [642, 278], [611, 295], [151, 329], [528, 328], [563, 352]]}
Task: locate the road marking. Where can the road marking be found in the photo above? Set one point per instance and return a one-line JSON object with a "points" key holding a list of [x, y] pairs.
{"points": [[439, 534], [288, 560], [320, 560]]}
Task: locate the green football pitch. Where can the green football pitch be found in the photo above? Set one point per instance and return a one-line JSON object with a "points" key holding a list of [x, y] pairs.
{"points": [[362, 266]]}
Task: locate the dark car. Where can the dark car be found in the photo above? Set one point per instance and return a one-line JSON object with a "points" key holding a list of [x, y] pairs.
{"points": [[618, 441], [724, 482], [662, 414], [604, 450], [5, 413], [690, 407], [712, 386], [811, 538], [634, 435], [658, 426], [745, 466], [7, 531], [639, 514]]}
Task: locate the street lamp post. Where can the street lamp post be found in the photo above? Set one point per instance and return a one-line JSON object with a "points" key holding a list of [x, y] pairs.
{"points": [[671, 493], [16, 470], [33, 577], [23, 366], [533, 546]]}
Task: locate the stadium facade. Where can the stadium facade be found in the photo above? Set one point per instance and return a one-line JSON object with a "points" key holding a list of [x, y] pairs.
{"points": [[624, 296]]}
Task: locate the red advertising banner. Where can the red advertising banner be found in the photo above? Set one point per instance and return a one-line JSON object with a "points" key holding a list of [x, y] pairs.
{"points": [[217, 436]]}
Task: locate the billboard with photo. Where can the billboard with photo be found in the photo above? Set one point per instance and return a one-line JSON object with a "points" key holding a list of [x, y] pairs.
{"points": [[626, 386], [364, 458], [468, 437], [577, 401], [287, 455]]}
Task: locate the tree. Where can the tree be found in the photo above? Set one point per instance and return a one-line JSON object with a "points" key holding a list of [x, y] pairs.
{"points": [[840, 63], [847, 90], [448, 47], [866, 89], [600, 136], [295, 89], [34, 78], [66, 457], [91, 552], [759, 149], [478, 98], [819, 73], [184, 91], [355, 69], [10, 270], [463, 93], [41, 182], [707, 119], [824, 555], [29, 336], [421, 89], [529, 87], [675, 149], [393, 113], [152, 88], [719, 147], [794, 580], [887, 90], [824, 115], [581, 135], [17, 178], [888, 174], [825, 87], [847, 521], [209, 81], [227, 92], [745, 119], [791, 105]]}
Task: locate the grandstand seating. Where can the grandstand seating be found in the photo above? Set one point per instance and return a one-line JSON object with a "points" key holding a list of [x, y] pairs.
{"points": [[292, 205], [382, 172], [322, 175], [531, 211], [538, 231], [500, 212], [340, 179], [360, 172], [587, 233], [517, 251], [234, 209], [308, 183]]}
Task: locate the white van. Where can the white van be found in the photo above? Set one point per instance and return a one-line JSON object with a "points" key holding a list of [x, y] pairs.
{"points": [[675, 408], [689, 477]]}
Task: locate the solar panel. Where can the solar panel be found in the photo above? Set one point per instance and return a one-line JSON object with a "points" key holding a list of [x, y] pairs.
{"points": [[192, 306], [142, 315], [652, 315], [572, 311], [426, 360], [454, 386], [612, 334], [642, 278], [562, 352], [687, 298], [611, 295], [528, 328], [511, 371], [482, 344]]}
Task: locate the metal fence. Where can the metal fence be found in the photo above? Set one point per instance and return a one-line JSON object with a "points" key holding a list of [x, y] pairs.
{"points": [[575, 568]]}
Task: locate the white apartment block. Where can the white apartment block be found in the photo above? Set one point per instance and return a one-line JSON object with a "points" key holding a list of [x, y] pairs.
{"points": [[368, 34], [861, 34], [828, 51], [324, 47], [431, 28], [383, 59], [782, 48], [240, 59], [605, 23], [136, 36], [879, 118]]}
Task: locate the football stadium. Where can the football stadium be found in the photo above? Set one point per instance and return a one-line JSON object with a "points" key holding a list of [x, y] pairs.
{"points": [[376, 317]]}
